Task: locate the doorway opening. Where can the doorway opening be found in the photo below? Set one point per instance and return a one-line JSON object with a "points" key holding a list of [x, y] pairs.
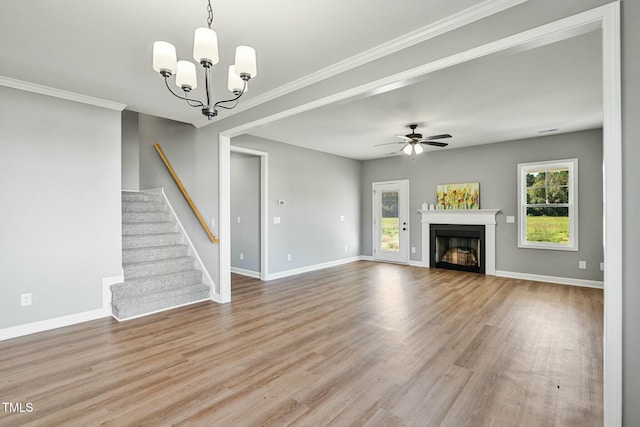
{"points": [[249, 211]]}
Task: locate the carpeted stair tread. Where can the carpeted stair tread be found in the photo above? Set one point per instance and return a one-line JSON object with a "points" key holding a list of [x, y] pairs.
{"points": [[153, 252], [142, 206], [154, 267], [149, 240], [149, 285], [148, 228], [159, 301], [141, 197], [152, 216]]}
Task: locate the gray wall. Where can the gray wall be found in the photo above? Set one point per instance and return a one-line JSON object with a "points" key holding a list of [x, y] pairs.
{"points": [[495, 167], [245, 204], [130, 151], [317, 188], [194, 157], [631, 207], [61, 219]]}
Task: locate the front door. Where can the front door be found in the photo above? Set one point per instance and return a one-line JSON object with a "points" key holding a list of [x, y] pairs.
{"points": [[390, 221]]}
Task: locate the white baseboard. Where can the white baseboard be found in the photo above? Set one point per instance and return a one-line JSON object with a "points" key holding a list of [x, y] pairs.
{"points": [[366, 258], [310, 268], [49, 324], [417, 263], [551, 279], [248, 273]]}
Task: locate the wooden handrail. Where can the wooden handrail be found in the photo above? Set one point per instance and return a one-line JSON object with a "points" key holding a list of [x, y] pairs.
{"points": [[185, 194]]}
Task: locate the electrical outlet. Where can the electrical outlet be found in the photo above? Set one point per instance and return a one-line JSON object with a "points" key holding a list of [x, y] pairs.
{"points": [[238, 220], [289, 257], [602, 266], [582, 265], [413, 249], [346, 248], [276, 220], [511, 219], [241, 256], [341, 218], [213, 223], [25, 299]]}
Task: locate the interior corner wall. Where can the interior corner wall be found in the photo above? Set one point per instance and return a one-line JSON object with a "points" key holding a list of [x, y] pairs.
{"points": [[61, 215], [494, 166], [245, 212], [130, 151], [317, 189], [193, 154]]}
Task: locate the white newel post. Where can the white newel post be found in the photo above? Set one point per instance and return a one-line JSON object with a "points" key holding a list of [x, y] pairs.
{"points": [[486, 217]]}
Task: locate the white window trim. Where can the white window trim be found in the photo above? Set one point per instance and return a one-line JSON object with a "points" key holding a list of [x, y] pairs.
{"points": [[572, 165]]}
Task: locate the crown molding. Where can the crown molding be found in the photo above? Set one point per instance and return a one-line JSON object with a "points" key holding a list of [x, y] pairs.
{"points": [[450, 23], [59, 93]]}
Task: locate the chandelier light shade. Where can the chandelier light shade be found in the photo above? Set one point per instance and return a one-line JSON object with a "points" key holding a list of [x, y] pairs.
{"points": [[164, 57], [417, 148], [205, 52], [235, 84], [408, 149], [186, 78], [205, 46], [246, 61]]}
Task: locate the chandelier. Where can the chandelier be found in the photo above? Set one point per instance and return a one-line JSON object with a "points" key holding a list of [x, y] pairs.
{"points": [[205, 52]]}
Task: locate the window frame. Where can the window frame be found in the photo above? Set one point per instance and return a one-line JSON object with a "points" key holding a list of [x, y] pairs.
{"points": [[572, 205]]}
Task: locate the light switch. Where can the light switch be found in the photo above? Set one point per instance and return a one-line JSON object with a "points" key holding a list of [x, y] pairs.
{"points": [[238, 220], [511, 219], [276, 220], [582, 265], [341, 218]]}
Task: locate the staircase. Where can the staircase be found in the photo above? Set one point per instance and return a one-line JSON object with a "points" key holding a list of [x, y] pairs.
{"points": [[159, 273]]}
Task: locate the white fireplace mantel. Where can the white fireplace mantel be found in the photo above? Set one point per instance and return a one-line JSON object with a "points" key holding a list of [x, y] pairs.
{"points": [[486, 217]]}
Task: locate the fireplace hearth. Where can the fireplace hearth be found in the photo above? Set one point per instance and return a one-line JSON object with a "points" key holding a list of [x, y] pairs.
{"points": [[458, 247]]}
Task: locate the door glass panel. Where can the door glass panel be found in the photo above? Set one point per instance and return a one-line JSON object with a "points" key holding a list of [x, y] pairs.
{"points": [[389, 222]]}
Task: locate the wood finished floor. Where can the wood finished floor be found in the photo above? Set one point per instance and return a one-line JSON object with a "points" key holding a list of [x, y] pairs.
{"points": [[363, 344]]}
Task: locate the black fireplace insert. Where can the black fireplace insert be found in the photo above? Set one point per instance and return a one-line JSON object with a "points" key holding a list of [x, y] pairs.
{"points": [[457, 247]]}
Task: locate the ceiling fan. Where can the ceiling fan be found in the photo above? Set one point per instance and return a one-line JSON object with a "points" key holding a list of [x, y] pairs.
{"points": [[414, 140]]}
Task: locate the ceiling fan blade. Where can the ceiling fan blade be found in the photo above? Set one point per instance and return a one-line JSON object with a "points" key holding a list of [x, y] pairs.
{"points": [[444, 135], [406, 138], [435, 143], [389, 143]]}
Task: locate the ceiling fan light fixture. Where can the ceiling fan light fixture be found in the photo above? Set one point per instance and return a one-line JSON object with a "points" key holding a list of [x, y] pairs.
{"points": [[418, 148], [408, 149]]}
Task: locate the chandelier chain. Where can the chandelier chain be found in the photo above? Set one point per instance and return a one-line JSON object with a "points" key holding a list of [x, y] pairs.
{"points": [[210, 17]]}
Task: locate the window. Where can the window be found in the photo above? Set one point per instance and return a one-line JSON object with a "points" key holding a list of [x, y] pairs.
{"points": [[548, 205]]}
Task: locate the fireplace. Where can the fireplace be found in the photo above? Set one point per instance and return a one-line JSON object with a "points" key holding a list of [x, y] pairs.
{"points": [[477, 217], [457, 247]]}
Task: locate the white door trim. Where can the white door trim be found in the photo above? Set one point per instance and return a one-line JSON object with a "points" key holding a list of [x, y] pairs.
{"points": [[607, 18], [264, 208], [406, 242]]}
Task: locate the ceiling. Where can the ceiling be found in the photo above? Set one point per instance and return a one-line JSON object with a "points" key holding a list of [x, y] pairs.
{"points": [[498, 98], [103, 49]]}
